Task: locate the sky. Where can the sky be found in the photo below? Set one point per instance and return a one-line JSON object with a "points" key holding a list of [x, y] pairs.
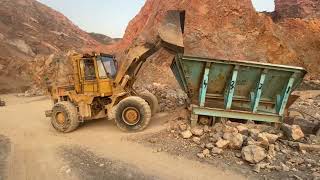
{"points": [[111, 17]]}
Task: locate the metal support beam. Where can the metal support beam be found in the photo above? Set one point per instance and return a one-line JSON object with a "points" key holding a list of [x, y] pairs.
{"points": [[231, 87], [257, 94], [283, 99], [245, 115], [204, 84]]}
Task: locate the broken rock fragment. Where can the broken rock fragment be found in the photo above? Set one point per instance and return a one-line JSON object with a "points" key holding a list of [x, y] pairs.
{"points": [[196, 140], [216, 150], [197, 131], [293, 132], [235, 140], [186, 134], [222, 143], [253, 154]]}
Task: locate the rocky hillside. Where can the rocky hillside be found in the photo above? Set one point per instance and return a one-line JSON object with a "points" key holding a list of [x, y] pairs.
{"points": [[297, 8], [28, 31], [232, 29], [104, 39]]}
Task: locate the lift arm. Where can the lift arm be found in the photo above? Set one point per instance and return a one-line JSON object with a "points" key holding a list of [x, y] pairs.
{"points": [[170, 37]]}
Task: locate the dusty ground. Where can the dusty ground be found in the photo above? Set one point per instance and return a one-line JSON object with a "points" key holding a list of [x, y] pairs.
{"points": [[97, 150]]}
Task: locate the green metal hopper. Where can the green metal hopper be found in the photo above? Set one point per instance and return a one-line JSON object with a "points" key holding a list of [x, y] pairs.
{"points": [[236, 89]]}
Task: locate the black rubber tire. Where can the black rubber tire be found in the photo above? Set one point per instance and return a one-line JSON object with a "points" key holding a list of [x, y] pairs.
{"points": [[70, 112], [144, 112], [151, 100]]}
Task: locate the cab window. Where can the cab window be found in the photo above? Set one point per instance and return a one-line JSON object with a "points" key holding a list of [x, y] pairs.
{"points": [[106, 67], [89, 72]]}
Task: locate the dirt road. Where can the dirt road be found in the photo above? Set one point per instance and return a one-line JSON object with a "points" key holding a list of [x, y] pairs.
{"points": [[97, 150]]}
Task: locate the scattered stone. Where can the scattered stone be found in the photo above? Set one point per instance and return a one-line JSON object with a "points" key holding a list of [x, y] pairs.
{"points": [[293, 132], [209, 145], [271, 150], [285, 168], [68, 171], [206, 129], [206, 152], [272, 138], [296, 177], [196, 140], [254, 133], [235, 140], [216, 150], [183, 126], [243, 130], [101, 165], [197, 131], [253, 154], [296, 160], [218, 127], [257, 168], [228, 129], [240, 162], [202, 145], [215, 137], [263, 140], [222, 143], [238, 155], [316, 175], [200, 155], [186, 134], [309, 147]]}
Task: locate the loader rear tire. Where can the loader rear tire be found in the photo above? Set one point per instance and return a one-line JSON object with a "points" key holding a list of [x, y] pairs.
{"points": [[132, 114], [65, 117], [152, 101]]}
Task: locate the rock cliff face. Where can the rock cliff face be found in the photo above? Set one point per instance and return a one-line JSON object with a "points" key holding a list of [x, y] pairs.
{"points": [[28, 31], [232, 29], [297, 8]]}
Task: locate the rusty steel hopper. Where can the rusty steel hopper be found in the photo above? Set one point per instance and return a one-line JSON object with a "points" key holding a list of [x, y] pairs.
{"points": [[237, 89]]}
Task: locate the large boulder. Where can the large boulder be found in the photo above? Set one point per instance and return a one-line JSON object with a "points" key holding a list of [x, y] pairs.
{"points": [[235, 140], [253, 154]]}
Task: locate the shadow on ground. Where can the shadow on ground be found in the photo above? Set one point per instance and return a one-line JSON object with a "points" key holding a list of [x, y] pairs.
{"points": [[4, 153], [89, 166]]}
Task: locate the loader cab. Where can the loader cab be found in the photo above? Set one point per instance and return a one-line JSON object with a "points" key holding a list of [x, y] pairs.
{"points": [[97, 73]]}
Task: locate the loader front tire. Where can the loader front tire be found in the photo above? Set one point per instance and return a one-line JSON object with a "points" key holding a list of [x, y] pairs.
{"points": [[132, 114], [152, 101], [65, 117]]}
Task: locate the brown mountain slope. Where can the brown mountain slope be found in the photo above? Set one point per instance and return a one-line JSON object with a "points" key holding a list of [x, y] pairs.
{"points": [[29, 29], [232, 29]]}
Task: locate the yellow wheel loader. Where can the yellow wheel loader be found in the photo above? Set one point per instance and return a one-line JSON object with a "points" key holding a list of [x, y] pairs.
{"points": [[100, 89]]}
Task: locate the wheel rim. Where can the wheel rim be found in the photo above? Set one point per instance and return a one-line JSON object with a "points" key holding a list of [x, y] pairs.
{"points": [[60, 118], [131, 116]]}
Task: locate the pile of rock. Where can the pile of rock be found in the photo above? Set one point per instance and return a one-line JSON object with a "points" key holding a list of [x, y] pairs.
{"points": [[258, 145], [168, 98], [253, 143], [33, 92]]}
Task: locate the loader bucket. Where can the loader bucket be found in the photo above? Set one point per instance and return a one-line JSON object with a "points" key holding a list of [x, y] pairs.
{"points": [[171, 30]]}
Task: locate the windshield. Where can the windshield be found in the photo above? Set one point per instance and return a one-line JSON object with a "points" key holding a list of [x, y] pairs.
{"points": [[106, 67]]}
